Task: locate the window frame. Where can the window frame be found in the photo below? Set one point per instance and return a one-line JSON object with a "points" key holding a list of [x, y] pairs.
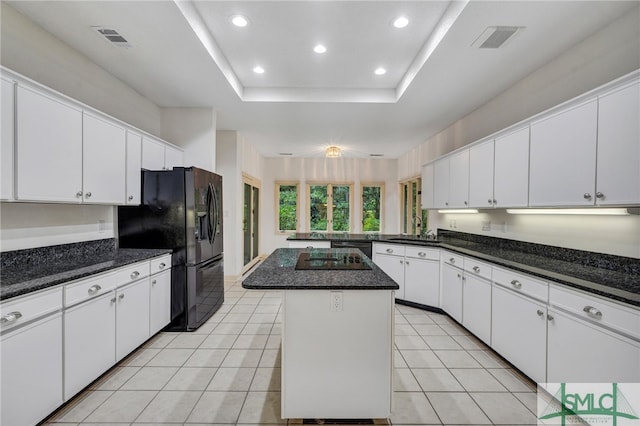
{"points": [[361, 207], [278, 184], [329, 211], [406, 215]]}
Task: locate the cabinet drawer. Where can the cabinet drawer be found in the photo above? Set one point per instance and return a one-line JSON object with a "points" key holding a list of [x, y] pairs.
{"points": [[610, 314], [309, 244], [100, 284], [533, 287], [477, 267], [27, 308], [422, 253], [160, 264], [453, 259], [392, 249]]}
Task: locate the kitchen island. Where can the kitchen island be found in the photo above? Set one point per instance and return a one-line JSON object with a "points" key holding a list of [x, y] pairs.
{"points": [[337, 332]]}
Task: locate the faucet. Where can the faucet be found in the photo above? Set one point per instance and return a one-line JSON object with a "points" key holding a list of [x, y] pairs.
{"points": [[417, 220], [430, 234]]}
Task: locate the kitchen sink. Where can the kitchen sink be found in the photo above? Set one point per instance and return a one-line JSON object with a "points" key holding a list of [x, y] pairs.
{"points": [[414, 239]]}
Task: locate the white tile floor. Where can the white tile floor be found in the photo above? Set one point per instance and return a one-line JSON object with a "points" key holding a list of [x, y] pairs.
{"points": [[228, 372]]}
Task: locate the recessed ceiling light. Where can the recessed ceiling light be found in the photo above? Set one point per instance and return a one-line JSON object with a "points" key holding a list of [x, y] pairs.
{"points": [[239, 21], [258, 70], [319, 48], [380, 71], [401, 22]]}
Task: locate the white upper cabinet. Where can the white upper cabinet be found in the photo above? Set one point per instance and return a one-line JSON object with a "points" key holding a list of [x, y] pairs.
{"points": [[6, 147], [618, 171], [441, 183], [563, 158], [427, 186], [481, 175], [104, 160], [48, 149], [459, 180], [173, 158], [511, 170], [134, 165]]}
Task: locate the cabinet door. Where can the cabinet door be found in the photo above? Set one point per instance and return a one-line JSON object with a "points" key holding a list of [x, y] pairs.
{"points": [[519, 332], [152, 154], [583, 353], [48, 149], [452, 292], [441, 183], [104, 161], [132, 317], [459, 180], [422, 282], [481, 175], [134, 166], [6, 141], [563, 158], [159, 301], [394, 267], [476, 306], [511, 170], [31, 378], [173, 158], [89, 342], [428, 186], [619, 147]]}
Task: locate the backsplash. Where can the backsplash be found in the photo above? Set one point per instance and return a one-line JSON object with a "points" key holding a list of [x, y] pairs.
{"points": [[624, 264]]}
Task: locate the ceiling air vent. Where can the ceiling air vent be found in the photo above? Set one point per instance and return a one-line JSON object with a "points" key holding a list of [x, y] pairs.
{"points": [[376, 155], [285, 153], [113, 36], [495, 37]]}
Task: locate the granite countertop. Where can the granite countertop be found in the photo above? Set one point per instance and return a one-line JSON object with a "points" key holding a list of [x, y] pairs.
{"points": [[614, 277], [37, 269], [278, 272]]}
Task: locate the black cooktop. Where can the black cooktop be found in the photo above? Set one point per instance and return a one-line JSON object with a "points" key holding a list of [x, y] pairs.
{"points": [[331, 261]]}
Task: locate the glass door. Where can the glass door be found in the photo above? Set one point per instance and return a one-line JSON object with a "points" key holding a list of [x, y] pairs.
{"points": [[251, 220]]}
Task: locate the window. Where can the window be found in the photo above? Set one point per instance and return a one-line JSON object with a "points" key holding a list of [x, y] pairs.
{"points": [[413, 219], [287, 203], [330, 207], [372, 201]]}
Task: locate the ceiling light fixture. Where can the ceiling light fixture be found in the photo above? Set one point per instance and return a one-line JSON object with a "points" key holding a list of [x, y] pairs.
{"points": [[319, 48], [401, 22], [239, 21], [258, 70], [590, 211], [380, 71], [333, 152]]}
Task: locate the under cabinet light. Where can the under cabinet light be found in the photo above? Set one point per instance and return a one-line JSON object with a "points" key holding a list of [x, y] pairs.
{"points": [[458, 211], [592, 211]]}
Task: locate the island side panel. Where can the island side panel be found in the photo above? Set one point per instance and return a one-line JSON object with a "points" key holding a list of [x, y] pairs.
{"points": [[337, 364]]}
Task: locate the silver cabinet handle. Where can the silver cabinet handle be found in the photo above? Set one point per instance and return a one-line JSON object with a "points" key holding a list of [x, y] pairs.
{"points": [[389, 250], [539, 312], [162, 265], [495, 202], [550, 318], [587, 196], [11, 317], [113, 300], [309, 247], [489, 201], [88, 195], [406, 262], [516, 284], [79, 194], [121, 297], [476, 269], [94, 289], [452, 260], [401, 261], [458, 275], [135, 274], [422, 254], [464, 278], [130, 197], [446, 203], [599, 195], [465, 203], [590, 310], [153, 282]]}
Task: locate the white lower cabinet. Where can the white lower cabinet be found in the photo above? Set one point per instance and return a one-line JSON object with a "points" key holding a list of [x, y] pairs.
{"points": [[394, 267], [451, 288], [519, 331], [476, 306], [132, 317], [31, 365], [422, 281], [89, 342], [159, 301]]}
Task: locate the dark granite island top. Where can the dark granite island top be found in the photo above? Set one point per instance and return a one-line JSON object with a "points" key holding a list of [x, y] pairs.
{"points": [[278, 272]]}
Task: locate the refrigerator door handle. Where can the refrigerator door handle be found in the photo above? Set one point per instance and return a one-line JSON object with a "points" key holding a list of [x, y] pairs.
{"points": [[210, 213], [216, 213]]}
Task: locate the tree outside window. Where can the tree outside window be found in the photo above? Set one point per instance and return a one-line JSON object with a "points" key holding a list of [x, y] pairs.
{"points": [[372, 207], [330, 207], [287, 205]]}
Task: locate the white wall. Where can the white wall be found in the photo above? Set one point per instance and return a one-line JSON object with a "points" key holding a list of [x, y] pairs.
{"points": [[603, 57], [307, 170], [194, 130]]}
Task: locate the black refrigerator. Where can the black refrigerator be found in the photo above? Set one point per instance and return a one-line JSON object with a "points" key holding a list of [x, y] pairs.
{"points": [[181, 209]]}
